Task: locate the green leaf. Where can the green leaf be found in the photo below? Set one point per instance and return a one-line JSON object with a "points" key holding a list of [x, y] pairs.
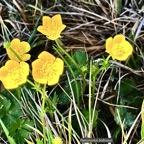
{"points": [[10, 110], [80, 58], [10, 139], [19, 129], [5, 105], [129, 94], [119, 6], [125, 115]]}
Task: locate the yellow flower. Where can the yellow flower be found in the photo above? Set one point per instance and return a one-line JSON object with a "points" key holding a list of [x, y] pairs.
{"points": [[57, 140], [47, 69], [118, 47], [52, 27], [17, 50], [14, 74]]}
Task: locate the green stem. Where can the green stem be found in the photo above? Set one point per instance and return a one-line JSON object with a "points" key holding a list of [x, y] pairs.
{"points": [[34, 31], [43, 95], [43, 113], [104, 66], [77, 91], [90, 97], [93, 89], [65, 52], [10, 139], [15, 54]]}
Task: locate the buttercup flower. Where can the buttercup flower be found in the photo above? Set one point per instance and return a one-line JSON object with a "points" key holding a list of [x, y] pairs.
{"points": [[17, 50], [118, 47], [51, 27], [14, 74], [47, 69], [57, 140]]}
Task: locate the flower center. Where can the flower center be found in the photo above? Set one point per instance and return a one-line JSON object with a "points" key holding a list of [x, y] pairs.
{"points": [[52, 28], [45, 69], [48, 70], [15, 74], [118, 50]]}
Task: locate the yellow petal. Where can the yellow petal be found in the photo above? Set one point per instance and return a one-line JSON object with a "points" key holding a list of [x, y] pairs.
{"points": [[61, 28], [9, 83], [47, 69], [53, 79], [54, 36], [15, 74], [43, 30], [128, 49], [25, 68], [3, 73], [25, 57], [52, 27], [56, 71], [20, 48], [121, 51], [25, 46], [46, 56], [109, 44], [58, 66], [57, 19], [46, 20], [12, 56], [119, 38], [14, 43], [122, 58], [36, 72], [10, 64]]}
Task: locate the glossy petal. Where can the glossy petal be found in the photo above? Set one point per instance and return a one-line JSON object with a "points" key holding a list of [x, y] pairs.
{"points": [[58, 65], [56, 71], [46, 20], [25, 46], [47, 69], [119, 38], [25, 68], [20, 48], [9, 83], [119, 48], [10, 64], [43, 30], [25, 57], [46, 56], [125, 52], [52, 79], [3, 73], [14, 43], [57, 19], [14, 74], [109, 44], [52, 27], [38, 71]]}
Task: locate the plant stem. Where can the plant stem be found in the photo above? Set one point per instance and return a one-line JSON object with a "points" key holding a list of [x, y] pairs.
{"points": [[15, 54], [77, 91], [43, 113]]}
